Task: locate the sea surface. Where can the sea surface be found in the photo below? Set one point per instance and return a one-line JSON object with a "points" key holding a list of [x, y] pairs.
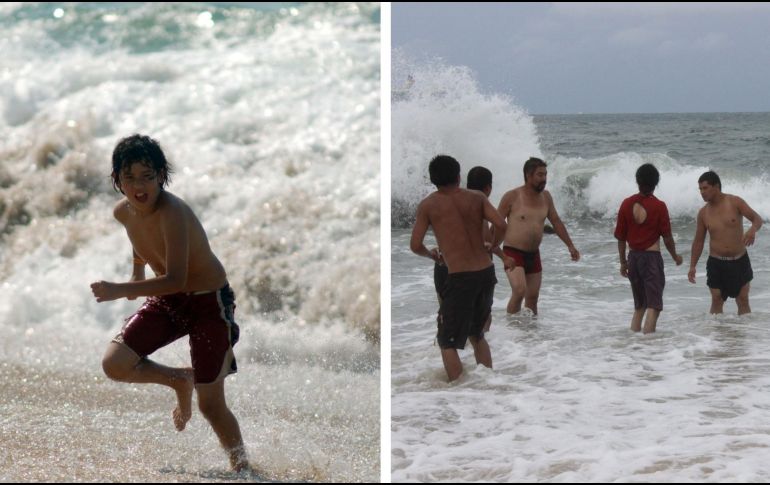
{"points": [[270, 115], [574, 394]]}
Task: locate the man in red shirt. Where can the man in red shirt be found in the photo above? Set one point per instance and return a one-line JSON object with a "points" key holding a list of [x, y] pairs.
{"points": [[642, 220]]}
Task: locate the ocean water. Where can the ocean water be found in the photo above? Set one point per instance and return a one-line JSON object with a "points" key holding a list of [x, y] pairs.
{"points": [[270, 115], [574, 394]]}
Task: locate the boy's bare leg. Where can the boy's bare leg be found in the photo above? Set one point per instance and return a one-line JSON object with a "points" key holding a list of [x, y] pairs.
{"points": [[452, 363], [481, 351], [211, 401], [636, 320], [518, 288], [717, 303], [120, 363], [651, 321], [742, 300], [532, 293]]}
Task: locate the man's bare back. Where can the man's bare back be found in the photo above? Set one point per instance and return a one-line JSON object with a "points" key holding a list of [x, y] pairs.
{"points": [[149, 233], [457, 218]]}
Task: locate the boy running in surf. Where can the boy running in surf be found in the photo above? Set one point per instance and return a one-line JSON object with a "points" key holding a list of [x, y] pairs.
{"points": [[188, 296]]}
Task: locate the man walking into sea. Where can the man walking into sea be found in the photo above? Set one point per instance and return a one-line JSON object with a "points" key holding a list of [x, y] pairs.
{"points": [[457, 218], [526, 209]]}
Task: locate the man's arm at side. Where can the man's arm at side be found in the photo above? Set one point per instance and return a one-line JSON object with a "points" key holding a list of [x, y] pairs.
{"points": [[421, 224], [498, 223], [622, 257], [697, 246], [668, 240], [756, 221], [560, 229]]}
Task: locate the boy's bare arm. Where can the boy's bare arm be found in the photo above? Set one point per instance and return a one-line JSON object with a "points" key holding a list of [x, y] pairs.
{"points": [[138, 270]]}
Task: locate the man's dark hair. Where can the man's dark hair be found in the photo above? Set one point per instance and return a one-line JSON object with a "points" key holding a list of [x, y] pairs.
{"points": [[479, 178], [531, 165], [139, 149], [444, 170], [712, 178], [647, 178]]}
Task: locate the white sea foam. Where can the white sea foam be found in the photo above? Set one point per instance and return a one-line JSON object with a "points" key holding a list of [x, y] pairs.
{"points": [[270, 116]]}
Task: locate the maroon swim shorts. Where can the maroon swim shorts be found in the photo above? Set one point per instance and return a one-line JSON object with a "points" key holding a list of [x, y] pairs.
{"points": [[645, 271], [527, 260], [208, 318]]}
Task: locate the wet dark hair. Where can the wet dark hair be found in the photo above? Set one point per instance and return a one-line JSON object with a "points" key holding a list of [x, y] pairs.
{"points": [[711, 177], [443, 170], [479, 178], [647, 178], [531, 165], [139, 149]]}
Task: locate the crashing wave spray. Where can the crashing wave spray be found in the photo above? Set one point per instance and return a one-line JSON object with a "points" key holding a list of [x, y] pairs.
{"points": [[439, 109]]}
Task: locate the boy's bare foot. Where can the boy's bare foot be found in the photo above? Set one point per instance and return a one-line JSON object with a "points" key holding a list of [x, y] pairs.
{"points": [[184, 392], [239, 462]]}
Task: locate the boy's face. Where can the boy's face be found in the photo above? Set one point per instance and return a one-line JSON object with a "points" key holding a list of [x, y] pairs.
{"points": [[140, 184]]}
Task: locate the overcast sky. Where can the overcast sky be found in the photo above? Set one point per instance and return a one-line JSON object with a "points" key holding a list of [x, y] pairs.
{"points": [[600, 57]]}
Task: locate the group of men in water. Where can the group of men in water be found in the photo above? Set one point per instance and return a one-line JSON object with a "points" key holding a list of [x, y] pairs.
{"points": [[464, 272]]}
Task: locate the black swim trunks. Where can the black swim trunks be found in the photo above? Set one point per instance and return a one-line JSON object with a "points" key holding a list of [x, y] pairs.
{"points": [[465, 306], [728, 275], [440, 275]]}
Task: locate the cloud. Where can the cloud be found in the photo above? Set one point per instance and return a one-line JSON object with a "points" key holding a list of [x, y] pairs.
{"points": [[636, 9], [635, 36]]}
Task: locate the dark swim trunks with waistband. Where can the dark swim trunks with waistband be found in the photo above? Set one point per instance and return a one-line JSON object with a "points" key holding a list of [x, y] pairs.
{"points": [[645, 272], [728, 275], [207, 317], [529, 261], [466, 302]]}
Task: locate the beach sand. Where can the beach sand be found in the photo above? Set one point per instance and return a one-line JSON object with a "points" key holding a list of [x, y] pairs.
{"points": [[62, 426]]}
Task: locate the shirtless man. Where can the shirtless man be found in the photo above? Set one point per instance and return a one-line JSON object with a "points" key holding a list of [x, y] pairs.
{"points": [[728, 269], [457, 217], [526, 209], [479, 178], [188, 296]]}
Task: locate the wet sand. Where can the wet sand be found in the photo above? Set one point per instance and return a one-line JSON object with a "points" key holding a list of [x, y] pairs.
{"points": [[62, 426]]}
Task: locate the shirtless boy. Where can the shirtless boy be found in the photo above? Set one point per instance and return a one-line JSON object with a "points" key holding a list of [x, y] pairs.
{"points": [[526, 208], [728, 269], [188, 296], [457, 217]]}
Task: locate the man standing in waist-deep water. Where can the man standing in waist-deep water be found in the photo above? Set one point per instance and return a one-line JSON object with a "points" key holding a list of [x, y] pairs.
{"points": [[642, 220], [457, 217], [525, 209], [728, 269]]}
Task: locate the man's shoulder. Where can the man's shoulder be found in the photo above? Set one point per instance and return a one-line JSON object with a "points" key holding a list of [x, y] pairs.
{"points": [[474, 194], [511, 193]]}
